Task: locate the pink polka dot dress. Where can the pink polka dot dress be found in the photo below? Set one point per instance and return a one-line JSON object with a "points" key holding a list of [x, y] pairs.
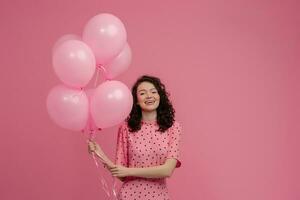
{"points": [[146, 148]]}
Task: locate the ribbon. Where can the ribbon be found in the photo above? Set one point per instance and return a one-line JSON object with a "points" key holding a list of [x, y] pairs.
{"points": [[110, 194]]}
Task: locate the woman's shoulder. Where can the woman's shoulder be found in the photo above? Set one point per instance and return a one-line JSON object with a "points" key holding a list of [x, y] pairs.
{"points": [[176, 124], [176, 127], [123, 126]]}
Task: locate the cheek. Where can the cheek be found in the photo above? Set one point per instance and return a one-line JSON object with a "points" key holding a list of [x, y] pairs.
{"points": [[157, 97], [139, 99]]}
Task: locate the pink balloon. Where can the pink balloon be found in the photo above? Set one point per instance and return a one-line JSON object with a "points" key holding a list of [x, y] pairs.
{"points": [[119, 64], [74, 63], [110, 104], [106, 35], [65, 38], [67, 107]]}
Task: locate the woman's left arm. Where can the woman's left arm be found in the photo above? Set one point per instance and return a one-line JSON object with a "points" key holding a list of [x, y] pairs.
{"points": [[160, 171]]}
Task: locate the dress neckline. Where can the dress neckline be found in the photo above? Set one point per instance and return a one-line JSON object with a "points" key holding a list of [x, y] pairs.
{"points": [[149, 122]]}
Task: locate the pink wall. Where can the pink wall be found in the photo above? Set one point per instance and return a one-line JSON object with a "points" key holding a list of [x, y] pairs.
{"points": [[231, 67]]}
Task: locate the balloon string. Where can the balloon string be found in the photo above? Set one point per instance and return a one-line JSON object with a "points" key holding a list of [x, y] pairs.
{"points": [[102, 180], [92, 137], [114, 187], [104, 71], [96, 80]]}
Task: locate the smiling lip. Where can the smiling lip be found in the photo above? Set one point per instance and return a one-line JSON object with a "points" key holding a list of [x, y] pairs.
{"points": [[149, 102]]}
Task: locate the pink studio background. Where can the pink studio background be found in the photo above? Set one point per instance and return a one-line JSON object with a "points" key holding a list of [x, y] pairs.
{"points": [[231, 68]]}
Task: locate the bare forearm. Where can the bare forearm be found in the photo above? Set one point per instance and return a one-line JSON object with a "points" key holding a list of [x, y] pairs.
{"points": [[108, 163], [160, 171]]}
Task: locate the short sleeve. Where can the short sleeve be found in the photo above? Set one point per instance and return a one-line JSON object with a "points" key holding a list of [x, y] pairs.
{"points": [[174, 141], [122, 148]]}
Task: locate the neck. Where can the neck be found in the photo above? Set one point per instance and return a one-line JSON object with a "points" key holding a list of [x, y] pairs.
{"points": [[149, 116]]}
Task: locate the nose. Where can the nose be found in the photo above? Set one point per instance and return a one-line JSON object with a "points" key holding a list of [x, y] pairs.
{"points": [[148, 95]]}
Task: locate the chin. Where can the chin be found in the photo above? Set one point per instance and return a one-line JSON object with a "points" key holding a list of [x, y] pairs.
{"points": [[147, 109]]}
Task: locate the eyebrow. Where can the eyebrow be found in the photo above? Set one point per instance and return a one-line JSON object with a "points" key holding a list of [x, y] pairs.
{"points": [[145, 90]]}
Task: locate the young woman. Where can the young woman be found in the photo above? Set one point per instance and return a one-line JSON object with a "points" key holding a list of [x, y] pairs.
{"points": [[148, 144]]}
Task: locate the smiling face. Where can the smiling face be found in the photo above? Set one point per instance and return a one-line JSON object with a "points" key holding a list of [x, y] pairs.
{"points": [[147, 97]]}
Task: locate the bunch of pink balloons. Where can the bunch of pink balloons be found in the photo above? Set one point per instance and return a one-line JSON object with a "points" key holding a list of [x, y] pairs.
{"points": [[103, 45]]}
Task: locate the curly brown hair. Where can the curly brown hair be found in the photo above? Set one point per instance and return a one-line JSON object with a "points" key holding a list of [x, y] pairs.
{"points": [[165, 110]]}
